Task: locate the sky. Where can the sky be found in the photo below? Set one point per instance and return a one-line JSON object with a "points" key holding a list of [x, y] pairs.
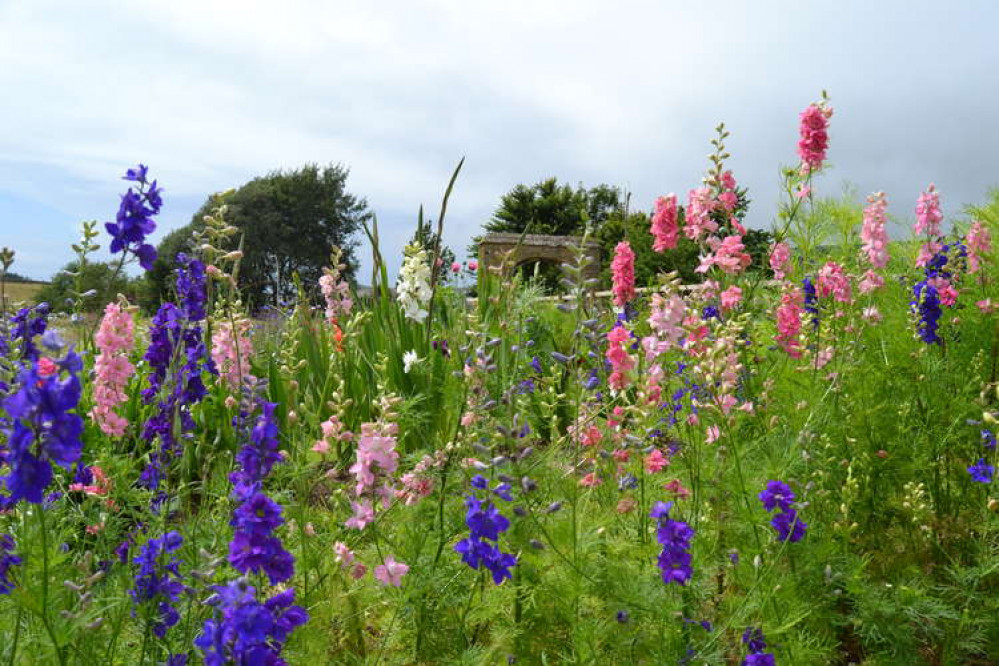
{"points": [[212, 94]]}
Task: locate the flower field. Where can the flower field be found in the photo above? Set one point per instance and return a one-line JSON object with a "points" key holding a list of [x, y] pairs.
{"points": [[791, 463]]}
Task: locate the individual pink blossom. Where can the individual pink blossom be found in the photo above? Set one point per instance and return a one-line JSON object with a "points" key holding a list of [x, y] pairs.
{"points": [[455, 267], [833, 281], [697, 216], [677, 489], [824, 356], [391, 572], [621, 361], [873, 233], [780, 259], [871, 314], [591, 480], [945, 290], [731, 297], [979, 243], [814, 139], [364, 514], [664, 228], [728, 254], [713, 432], [232, 349], [333, 431], [655, 461], [623, 274], [803, 192], [789, 321], [986, 306], [344, 555], [473, 265], [621, 455], [871, 281], [112, 368], [101, 486]]}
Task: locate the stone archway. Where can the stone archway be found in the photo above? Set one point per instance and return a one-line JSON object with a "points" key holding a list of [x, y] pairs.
{"points": [[496, 248]]}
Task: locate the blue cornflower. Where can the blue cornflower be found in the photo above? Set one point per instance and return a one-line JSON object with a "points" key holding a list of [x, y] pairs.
{"points": [[982, 472], [158, 580], [42, 430], [245, 631], [674, 536], [134, 221], [7, 560]]}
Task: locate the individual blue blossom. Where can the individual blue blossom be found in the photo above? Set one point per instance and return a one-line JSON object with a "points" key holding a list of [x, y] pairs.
{"points": [[777, 495], [42, 430], [134, 221], [245, 631], [480, 482], [755, 643], [503, 490], [982, 472], [158, 581], [592, 380], [674, 536], [7, 561], [525, 387], [988, 439], [710, 312], [536, 365], [789, 526]]}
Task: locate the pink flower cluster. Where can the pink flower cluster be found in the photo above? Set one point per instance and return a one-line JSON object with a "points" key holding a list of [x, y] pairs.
{"points": [[336, 291], [666, 319], [333, 431], [623, 274], [419, 483], [727, 254], [789, 320], [375, 449], [114, 339], [231, 351], [928, 219], [873, 232], [780, 259], [621, 361], [390, 572], [665, 229], [833, 281], [979, 243], [697, 216], [814, 139]]}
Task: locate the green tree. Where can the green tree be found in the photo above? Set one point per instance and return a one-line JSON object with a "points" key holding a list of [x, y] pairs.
{"points": [[555, 209], [100, 283], [289, 220]]}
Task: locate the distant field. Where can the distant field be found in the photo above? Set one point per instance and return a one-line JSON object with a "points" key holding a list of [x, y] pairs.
{"points": [[22, 291]]}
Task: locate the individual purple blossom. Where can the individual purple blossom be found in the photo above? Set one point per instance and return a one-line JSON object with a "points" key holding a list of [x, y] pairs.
{"points": [[754, 641], [158, 581], [777, 494], [982, 472], [811, 303], [134, 221], [7, 561], [789, 526]]}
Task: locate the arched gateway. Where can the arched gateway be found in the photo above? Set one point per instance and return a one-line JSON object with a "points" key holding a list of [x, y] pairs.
{"points": [[493, 249]]}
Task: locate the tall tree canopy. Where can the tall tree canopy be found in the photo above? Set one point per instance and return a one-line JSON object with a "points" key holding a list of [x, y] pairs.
{"points": [[290, 221], [553, 208]]}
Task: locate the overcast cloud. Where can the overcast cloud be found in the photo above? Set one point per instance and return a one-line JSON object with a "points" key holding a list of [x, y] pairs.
{"points": [[211, 94]]}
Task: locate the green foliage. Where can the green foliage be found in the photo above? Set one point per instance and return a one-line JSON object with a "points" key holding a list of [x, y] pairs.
{"points": [[290, 222], [99, 283], [550, 208]]}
